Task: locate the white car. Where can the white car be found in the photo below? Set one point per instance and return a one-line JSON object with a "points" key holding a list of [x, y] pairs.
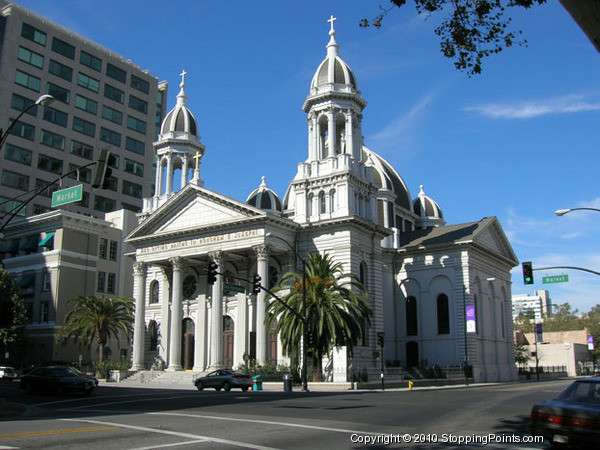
{"points": [[8, 373]]}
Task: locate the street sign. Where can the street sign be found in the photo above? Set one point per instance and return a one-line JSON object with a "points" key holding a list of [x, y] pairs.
{"points": [[69, 195], [230, 287], [555, 279]]}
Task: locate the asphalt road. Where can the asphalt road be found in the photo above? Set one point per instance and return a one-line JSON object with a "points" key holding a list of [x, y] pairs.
{"points": [[490, 416]]}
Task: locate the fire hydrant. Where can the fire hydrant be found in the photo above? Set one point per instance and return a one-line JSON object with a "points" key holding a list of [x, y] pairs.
{"points": [[410, 385]]}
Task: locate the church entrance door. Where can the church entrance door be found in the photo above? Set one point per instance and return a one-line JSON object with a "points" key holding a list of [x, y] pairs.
{"points": [[412, 354], [228, 328], [187, 344]]}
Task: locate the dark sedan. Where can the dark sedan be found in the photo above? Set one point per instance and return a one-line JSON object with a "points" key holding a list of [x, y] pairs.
{"points": [[572, 418], [58, 379], [224, 379]]}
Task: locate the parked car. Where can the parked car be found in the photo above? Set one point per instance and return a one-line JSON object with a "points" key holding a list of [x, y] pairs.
{"points": [[597, 371], [224, 379], [58, 379], [572, 418], [8, 373]]}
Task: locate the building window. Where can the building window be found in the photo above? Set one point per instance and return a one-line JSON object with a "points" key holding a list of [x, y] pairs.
{"points": [[88, 82], [48, 190], [154, 292], [28, 81], [322, 203], [139, 84], [100, 286], [412, 328], [86, 104], [332, 205], [116, 73], [129, 207], [30, 57], [52, 140], [63, 48], [113, 93], [111, 284], [83, 175], [309, 206], [83, 150], [90, 60], [21, 103], [363, 274], [18, 154], [104, 204], [138, 104], [44, 312], [132, 189], [50, 164], [112, 114], [133, 167], [443, 314], [55, 116], [23, 130], [134, 146], [84, 127], [60, 94], [33, 34], [103, 249], [60, 70], [112, 137], [153, 335], [112, 252], [189, 286], [15, 180], [46, 281], [136, 125]]}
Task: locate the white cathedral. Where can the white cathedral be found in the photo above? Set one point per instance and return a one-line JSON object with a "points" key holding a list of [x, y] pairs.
{"points": [[345, 200]]}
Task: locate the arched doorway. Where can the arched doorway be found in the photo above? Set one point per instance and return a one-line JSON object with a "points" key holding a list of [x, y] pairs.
{"points": [[412, 354], [228, 328], [187, 345]]}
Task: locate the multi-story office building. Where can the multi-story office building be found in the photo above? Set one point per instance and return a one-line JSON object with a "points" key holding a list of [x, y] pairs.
{"points": [[536, 306], [101, 100]]}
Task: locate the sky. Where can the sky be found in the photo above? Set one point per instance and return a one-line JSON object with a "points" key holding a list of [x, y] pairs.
{"points": [[517, 142]]}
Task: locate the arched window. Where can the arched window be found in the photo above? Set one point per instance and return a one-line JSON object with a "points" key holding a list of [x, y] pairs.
{"points": [[443, 314], [322, 203], [189, 286], [153, 335], [309, 209], [154, 292], [412, 328], [362, 274], [332, 205]]}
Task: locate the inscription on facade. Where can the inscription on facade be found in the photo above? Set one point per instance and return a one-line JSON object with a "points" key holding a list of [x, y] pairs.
{"points": [[201, 241]]}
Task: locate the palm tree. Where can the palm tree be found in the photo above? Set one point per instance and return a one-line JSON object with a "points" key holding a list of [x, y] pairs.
{"points": [[98, 319], [336, 309]]}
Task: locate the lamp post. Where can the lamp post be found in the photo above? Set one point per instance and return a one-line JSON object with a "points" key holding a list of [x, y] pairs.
{"points": [[43, 100], [303, 374], [562, 212], [465, 288]]}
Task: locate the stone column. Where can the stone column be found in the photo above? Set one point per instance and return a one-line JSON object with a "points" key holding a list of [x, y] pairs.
{"points": [[165, 317], [240, 339], [200, 344], [169, 189], [216, 331], [350, 136], [262, 267], [176, 315], [139, 287], [184, 171], [158, 180], [331, 132]]}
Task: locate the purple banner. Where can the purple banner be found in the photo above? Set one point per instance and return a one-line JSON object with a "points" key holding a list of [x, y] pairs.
{"points": [[471, 322], [590, 342]]}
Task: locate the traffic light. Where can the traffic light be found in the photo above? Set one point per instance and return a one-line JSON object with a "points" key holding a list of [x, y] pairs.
{"points": [[527, 272], [381, 339], [256, 284], [212, 272], [101, 172]]}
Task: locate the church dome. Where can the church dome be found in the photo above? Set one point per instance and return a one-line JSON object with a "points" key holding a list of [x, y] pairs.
{"points": [[180, 119], [386, 177], [265, 198], [333, 73], [428, 211]]}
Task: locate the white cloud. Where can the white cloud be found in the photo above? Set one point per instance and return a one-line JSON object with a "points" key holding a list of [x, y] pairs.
{"points": [[529, 109]]}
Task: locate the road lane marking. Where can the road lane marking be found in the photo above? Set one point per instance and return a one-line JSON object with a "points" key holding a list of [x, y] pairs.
{"points": [[195, 437], [46, 433]]}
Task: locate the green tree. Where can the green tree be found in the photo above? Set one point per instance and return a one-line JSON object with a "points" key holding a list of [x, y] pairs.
{"points": [[522, 355], [591, 320], [470, 29], [98, 319], [563, 319], [12, 314], [336, 309]]}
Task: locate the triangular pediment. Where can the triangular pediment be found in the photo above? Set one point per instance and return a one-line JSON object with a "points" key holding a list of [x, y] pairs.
{"points": [[195, 208], [491, 236]]}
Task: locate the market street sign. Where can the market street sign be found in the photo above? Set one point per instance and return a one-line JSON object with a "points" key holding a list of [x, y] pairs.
{"points": [[69, 195], [555, 279], [230, 287]]}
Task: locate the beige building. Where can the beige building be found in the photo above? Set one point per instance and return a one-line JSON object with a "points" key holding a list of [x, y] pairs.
{"points": [[58, 256]]}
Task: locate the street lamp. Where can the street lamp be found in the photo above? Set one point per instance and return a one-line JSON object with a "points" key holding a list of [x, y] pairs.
{"points": [[465, 288], [303, 374], [562, 212], [44, 100]]}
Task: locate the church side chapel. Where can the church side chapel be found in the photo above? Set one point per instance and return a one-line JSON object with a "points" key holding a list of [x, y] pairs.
{"points": [[345, 201]]}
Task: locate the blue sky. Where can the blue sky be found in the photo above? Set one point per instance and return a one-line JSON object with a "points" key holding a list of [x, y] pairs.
{"points": [[517, 142]]}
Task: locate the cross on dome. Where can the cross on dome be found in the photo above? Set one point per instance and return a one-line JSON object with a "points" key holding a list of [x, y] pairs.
{"points": [[183, 74], [331, 20]]}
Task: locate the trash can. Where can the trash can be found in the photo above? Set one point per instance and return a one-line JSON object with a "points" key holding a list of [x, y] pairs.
{"points": [[287, 383], [257, 383]]}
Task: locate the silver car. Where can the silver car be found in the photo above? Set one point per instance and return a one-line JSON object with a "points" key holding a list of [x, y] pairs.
{"points": [[224, 379]]}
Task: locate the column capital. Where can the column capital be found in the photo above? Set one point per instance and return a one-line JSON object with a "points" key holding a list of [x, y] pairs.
{"points": [[176, 262], [139, 268], [217, 257], [262, 251]]}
